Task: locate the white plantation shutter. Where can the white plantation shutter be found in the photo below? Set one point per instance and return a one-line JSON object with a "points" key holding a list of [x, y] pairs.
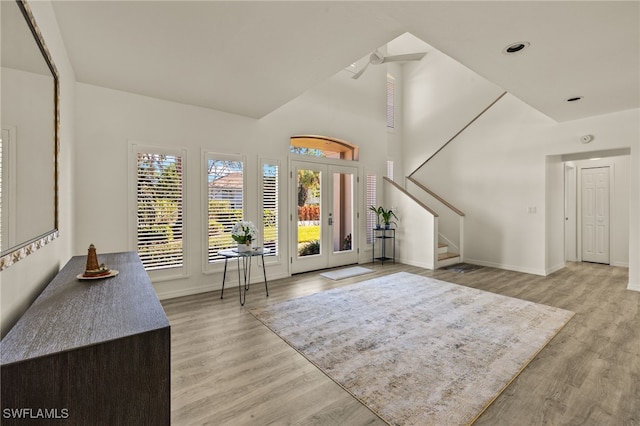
{"points": [[270, 215], [225, 200], [390, 169], [371, 200], [391, 109], [160, 202]]}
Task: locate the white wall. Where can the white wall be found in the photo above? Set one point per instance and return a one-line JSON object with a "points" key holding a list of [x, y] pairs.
{"points": [[440, 96], [22, 282], [415, 230], [498, 171], [351, 110]]}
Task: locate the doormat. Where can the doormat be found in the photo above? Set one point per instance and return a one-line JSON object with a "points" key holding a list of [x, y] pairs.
{"points": [[462, 268], [339, 274]]}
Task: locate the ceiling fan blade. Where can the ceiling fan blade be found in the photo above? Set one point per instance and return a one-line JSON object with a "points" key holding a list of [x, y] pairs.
{"points": [[406, 57], [359, 73]]}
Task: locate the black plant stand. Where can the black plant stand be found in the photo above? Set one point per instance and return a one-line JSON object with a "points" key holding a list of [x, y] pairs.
{"points": [[383, 235]]}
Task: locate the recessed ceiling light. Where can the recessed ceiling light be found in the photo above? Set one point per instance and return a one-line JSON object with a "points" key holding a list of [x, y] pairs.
{"points": [[515, 47], [574, 99]]}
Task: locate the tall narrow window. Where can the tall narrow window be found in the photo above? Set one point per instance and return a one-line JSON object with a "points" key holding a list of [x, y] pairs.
{"points": [[270, 207], [160, 202], [391, 113], [390, 169], [371, 200], [225, 200]]}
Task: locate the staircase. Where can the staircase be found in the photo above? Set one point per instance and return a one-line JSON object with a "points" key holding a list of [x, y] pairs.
{"points": [[445, 257], [446, 228]]}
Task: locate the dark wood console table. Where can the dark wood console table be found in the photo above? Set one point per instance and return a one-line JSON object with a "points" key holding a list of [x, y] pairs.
{"points": [[91, 352]]}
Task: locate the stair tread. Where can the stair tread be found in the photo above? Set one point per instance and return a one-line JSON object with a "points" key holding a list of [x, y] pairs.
{"points": [[447, 255]]}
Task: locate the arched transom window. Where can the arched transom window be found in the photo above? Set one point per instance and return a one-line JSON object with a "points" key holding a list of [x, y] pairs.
{"points": [[323, 146]]}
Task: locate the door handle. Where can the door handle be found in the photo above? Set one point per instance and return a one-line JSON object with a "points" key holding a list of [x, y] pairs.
{"points": [[330, 221]]}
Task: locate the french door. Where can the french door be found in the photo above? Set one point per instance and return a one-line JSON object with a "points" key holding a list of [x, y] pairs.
{"points": [[323, 220]]}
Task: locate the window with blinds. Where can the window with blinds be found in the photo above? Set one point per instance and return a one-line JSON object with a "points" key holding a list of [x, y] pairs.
{"points": [[225, 201], [390, 169], [160, 210], [371, 200], [270, 207], [391, 113]]}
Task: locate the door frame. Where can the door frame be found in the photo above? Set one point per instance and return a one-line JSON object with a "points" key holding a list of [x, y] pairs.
{"points": [[293, 162], [570, 213]]}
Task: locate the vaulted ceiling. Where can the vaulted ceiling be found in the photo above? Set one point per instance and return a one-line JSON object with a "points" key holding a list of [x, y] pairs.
{"points": [[250, 58]]}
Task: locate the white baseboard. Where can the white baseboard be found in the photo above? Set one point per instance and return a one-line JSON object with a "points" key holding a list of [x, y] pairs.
{"points": [[620, 264], [533, 271], [231, 283], [414, 263], [172, 294], [555, 268]]}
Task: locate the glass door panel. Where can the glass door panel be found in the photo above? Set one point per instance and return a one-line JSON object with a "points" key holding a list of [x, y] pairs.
{"points": [[342, 213], [309, 226]]}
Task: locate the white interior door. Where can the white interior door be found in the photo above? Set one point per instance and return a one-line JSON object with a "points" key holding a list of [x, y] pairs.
{"points": [[324, 217], [595, 214]]}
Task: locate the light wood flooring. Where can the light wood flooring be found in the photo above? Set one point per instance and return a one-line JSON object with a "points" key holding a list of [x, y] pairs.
{"points": [[229, 369]]}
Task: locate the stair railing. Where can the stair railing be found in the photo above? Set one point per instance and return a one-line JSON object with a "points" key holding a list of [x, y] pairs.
{"points": [[457, 134]]}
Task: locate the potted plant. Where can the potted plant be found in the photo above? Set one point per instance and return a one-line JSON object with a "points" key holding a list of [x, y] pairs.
{"points": [[377, 212], [386, 216], [244, 233]]}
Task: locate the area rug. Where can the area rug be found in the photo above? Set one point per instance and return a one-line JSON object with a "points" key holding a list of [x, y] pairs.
{"points": [[339, 274], [415, 350]]}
